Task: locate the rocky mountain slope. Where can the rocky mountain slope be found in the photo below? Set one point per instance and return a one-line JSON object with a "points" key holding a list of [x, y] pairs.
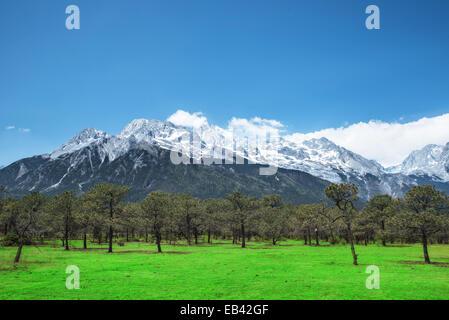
{"points": [[431, 161], [146, 168]]}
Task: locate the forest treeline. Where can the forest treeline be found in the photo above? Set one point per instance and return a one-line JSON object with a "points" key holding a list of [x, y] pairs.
{"points": [[101, 214]]}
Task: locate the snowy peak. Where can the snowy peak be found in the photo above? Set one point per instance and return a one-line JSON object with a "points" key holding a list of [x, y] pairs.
{"points": [[81, 140], [141, 128], [161, 133], [432, 160], [89, 135], [319, 157], [136, 134], [323, 158]]}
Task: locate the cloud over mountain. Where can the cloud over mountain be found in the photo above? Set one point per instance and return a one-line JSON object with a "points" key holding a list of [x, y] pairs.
{"points": [[389, 143], [186, 119]]}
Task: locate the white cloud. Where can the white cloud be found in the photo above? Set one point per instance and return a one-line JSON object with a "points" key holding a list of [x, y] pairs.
{"points": [[388, 143], [25, 130], [186, 119], [271, 123], [255, 127]]}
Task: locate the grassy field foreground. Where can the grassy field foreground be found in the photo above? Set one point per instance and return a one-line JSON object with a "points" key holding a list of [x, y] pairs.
{"points": [[224, 271]]}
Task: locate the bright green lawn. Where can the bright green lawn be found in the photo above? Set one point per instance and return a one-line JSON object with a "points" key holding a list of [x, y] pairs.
{"points": [[224, 271]]}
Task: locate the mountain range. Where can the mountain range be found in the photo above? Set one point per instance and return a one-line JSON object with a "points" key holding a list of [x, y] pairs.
{"points": [[140, 157]]}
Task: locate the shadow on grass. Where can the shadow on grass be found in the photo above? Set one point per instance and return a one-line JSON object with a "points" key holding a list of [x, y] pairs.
{"points": [[88, 249], [152, 252], [397, 246], [438, 264], [22, 265]]}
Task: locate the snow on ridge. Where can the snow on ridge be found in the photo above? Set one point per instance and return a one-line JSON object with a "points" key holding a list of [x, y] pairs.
{"points": [[319, 157], [79, 141], [432, 160], [22, 170]]}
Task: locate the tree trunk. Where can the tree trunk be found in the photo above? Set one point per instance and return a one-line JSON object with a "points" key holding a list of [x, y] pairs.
{"points": [[188, 231], [309, 236], [424, 246], [111, 232], [158, 242], [208, 236], [243, 235], [85, 240], [66, 237], [19, 252], [110, 239], [351, 240], [274, 241], [383, 234], [127, 235], [196, 237], [6, 229], [305, 238], [317, 241], [332, 238]]}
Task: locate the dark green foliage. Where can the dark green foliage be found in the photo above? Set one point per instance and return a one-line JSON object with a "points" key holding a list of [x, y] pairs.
{"points": [[344, 195], [11, 239], [425, 212], [102, 213]]}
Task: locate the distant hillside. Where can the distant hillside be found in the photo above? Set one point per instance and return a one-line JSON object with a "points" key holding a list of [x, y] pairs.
{"points": [[146, 168]]}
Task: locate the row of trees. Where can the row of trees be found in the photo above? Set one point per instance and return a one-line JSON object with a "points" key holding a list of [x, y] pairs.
{"points": [[101, 213]]}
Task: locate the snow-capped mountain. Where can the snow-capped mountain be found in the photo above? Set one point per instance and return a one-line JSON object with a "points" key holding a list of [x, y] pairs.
{"points": [[319, 157], [90, 156], [323, 158], [147, 167], [81, 140], [431, 161]]}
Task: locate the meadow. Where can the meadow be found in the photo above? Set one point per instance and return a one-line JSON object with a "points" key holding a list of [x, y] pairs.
{"points": [[288, 271]]}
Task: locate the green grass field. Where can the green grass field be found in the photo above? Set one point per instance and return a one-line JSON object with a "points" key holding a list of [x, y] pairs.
{"points": [[224, 271]]}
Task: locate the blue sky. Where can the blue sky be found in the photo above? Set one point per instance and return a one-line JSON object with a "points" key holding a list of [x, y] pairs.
{"points": [[308, 64]]}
